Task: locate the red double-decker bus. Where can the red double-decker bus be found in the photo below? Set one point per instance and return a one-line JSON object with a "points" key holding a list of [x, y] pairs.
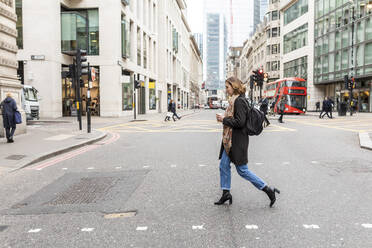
{"points": [[294, 91]]}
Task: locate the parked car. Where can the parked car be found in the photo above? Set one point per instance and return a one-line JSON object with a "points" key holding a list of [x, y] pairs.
{"points": [[224, 104]]}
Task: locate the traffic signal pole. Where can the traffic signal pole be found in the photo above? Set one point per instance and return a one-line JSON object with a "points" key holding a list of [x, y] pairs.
{"points": [[88, 100], [77, 81]]}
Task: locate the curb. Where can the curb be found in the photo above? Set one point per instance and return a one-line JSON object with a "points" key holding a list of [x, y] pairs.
{"points": [[62, 150], [365, 141]]}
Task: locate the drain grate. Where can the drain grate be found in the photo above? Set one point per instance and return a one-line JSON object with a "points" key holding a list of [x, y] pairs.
{"points": [[88, 190], [2, 228], [15, 157]]}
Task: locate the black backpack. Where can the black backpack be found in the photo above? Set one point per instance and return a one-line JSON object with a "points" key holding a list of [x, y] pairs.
{"points": [[255, 120]]}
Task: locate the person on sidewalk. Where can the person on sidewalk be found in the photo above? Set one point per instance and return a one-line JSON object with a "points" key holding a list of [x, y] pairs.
{"points": [[327, 108], [324, 108], [173, 110], [317, 105], [234, 147], [167, 118], [264, 108], [8, 109], [282, 109]]}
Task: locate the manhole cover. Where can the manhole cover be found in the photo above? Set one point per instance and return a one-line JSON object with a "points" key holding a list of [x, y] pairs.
{"points": [[88, 190], [105, 192], [15, 157], [2, 228]]}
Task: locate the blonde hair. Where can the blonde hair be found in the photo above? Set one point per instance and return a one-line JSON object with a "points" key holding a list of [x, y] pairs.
{"points": [[237, 85], [8, 94]]}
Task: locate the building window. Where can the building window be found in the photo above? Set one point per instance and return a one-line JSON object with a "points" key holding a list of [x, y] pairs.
{"points": [[80, 29], [345, 59], [275, 49], [18, 4], [144, 51], [295, 39], [127, 89], [138, 47], [274, 66], [125, 39], [274, 15], [369, 29], [296, 68], [268, 50], [268, 67], [275, 32], [152, 95], [295, 11], [368, 54]]}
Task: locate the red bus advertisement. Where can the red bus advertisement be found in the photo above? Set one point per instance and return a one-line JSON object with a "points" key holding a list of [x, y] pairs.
{"points": [[294, 91]]}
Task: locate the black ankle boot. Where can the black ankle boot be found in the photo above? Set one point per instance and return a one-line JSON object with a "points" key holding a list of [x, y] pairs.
{"points": [[271, 194], [225, 196]]}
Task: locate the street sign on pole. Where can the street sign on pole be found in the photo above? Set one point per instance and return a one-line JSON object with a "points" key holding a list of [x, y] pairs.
{"points": [[93, 74]]}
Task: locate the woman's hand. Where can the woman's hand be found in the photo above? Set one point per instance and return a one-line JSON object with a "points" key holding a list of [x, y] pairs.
{"points": [[219, 117]]}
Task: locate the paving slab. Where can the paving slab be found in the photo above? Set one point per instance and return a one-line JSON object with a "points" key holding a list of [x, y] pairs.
{"points": [[365, 140]]}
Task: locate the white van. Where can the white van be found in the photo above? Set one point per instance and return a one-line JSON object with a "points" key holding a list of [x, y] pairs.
{"points": [[30, 102]]}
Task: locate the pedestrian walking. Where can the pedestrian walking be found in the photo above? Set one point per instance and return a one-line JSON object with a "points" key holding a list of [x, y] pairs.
{"points": [[169, 113], [8, 109], [264, 108], [173, 110], [234, 147], [282, 104], [327, 108], [317, 105]]}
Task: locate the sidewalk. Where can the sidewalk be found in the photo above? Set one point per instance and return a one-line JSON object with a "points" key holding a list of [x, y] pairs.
{"points": [[46, 138]]}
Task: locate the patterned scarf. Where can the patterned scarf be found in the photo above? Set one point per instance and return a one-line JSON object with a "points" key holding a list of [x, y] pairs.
{"points": [[227, 131]]}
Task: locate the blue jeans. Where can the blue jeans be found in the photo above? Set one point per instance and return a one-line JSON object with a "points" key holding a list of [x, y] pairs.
{"points": [[243, 171]]}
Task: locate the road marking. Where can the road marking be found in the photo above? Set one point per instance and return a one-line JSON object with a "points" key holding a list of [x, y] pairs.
{"points": [[312, 226], [257, 238], [59, 137], [250, 227], [173, 166], [141, 228], [314, 162], [146, 166], [259, 163], [64, 168], [201, 227], [90, 168], [286, 163], [202, 165], [34, 230], [87, 229], [118, 167], [367, 225]]}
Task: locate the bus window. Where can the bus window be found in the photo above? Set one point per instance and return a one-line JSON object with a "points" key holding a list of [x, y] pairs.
{"points": [[295, 84], [298, 102]]}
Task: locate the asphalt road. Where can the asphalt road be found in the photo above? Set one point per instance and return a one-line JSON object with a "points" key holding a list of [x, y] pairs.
{"points": [[167, 174]]}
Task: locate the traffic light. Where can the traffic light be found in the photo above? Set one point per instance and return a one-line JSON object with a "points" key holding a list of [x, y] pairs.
{"points": [[251, 81], [81, 63], [352, 83], [137, 84], [259, 77], [346, 82]]}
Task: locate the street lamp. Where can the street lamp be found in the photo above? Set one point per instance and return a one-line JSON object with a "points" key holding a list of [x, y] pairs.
{"points": [[352, 51]]}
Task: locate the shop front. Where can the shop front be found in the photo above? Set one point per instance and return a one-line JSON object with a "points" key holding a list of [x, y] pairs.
{"points": [[361, 96], [69, 107]]}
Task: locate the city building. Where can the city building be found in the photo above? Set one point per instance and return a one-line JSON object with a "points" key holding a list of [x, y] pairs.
{"points": [[262, 50], [341, 49], [215, 49], [233, 62], [264, 4], [297, 50], [196, 74], [9, 82], [144, 40], [199, 41]]}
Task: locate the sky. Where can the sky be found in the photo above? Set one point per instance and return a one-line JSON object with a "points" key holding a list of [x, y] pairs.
{"points": [[195, 15]]}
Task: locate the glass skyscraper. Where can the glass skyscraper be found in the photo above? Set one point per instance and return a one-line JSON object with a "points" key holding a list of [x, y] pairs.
{"points": [[336, 55]]}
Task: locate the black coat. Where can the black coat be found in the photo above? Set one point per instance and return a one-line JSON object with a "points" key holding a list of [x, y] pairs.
{"points": [[240, 139], [8, 108]]}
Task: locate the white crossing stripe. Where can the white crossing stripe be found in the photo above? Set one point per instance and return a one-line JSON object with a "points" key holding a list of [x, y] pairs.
{"points": [[259, 163], [314, 162], [64, 168], [118, 167], [90, 168], [286, 162], [141, 228], [173, 166], [146, 166], [87, 229], [202, 165], [367, 225], [251, 227], [34, 230], [312, 226], [59, 137], [201, 227]]}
